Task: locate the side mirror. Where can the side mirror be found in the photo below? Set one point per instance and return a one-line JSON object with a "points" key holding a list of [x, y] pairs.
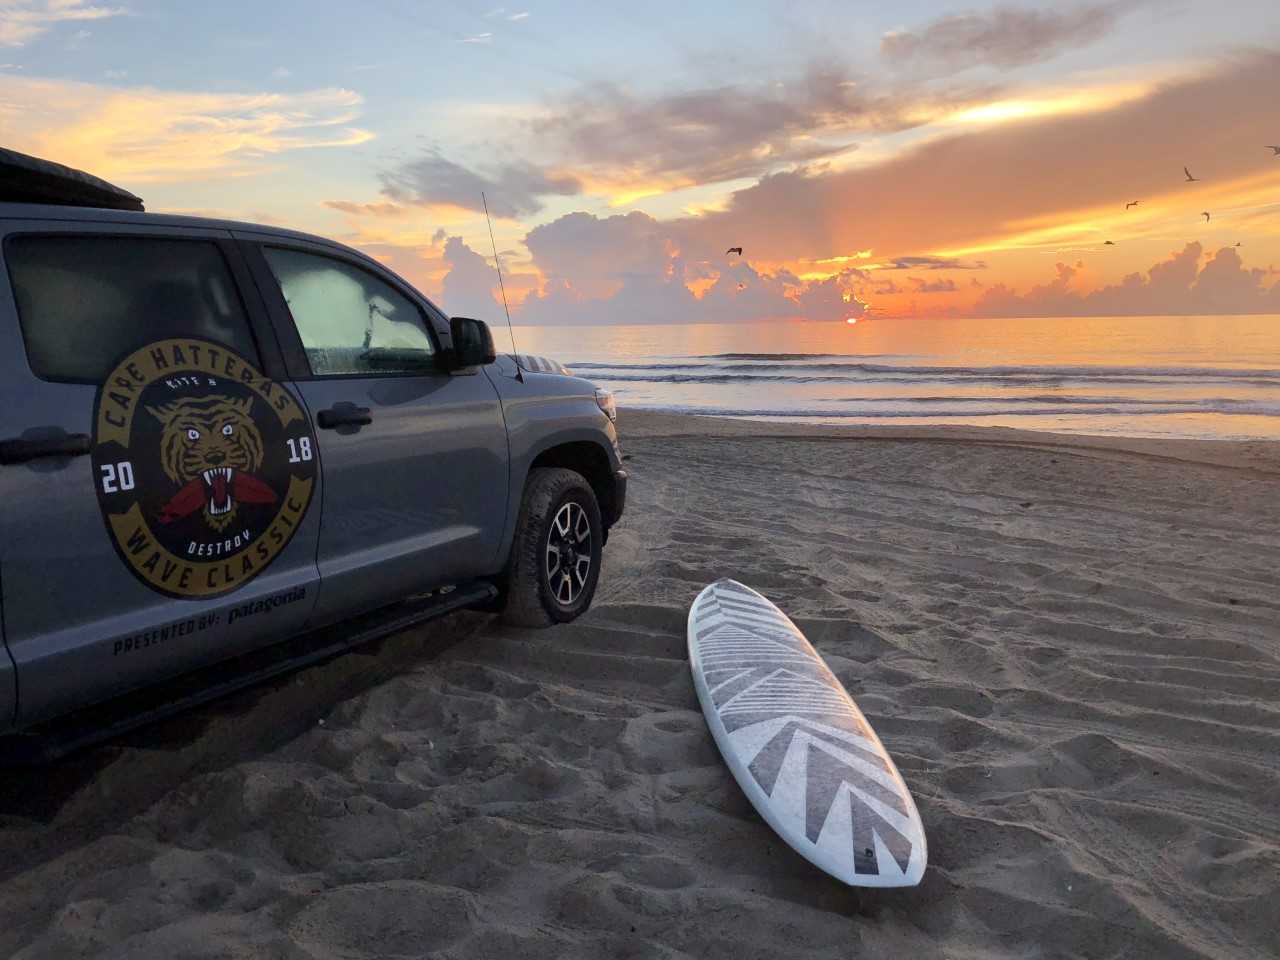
{"points": [[472, 342]]}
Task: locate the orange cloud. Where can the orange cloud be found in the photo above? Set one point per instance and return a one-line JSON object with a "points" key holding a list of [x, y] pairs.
{"points": [[1048, 104], [368, 209], [143, 135], [988, 186], [1183, 284], [1159, 214]]}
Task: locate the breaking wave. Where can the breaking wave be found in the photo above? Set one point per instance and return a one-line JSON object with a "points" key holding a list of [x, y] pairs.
{"points": [[810, 368], [875, 387]]}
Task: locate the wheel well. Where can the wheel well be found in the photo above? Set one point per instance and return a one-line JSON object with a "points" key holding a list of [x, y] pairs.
{"points": [[590, 460]]}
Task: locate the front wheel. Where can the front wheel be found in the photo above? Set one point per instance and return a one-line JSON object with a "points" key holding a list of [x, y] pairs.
{"points": [[555, 557]]}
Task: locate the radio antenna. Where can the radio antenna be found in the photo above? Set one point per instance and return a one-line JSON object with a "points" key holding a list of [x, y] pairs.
{"points": [[515, 351]]}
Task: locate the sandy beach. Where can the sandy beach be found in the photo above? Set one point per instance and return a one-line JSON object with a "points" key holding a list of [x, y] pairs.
{"points": [[1071, 646]]}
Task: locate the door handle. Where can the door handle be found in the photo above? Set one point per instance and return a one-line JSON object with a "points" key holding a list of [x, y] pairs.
{"points": [[23, 449], [343, 415]]}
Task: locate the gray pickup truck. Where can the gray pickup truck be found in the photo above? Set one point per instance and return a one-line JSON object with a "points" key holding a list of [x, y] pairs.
{"points": [[224, 444]]}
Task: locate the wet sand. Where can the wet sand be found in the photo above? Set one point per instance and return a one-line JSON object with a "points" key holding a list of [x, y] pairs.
{"points": [[1071, 647]]}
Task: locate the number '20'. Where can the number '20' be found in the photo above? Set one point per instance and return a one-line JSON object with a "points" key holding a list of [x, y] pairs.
{"points": [[117, 477]]}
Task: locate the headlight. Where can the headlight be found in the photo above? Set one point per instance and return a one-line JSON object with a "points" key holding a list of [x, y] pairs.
{"points": [[605, 401]]}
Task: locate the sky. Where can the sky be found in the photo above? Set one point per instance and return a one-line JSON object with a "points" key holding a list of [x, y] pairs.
{"points": [[872, 160]]}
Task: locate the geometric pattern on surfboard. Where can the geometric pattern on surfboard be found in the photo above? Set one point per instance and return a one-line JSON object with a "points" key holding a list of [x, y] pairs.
{"points": [[802, 738]]}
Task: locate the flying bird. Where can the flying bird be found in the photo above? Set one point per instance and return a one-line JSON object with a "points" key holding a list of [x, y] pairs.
{"points": [[1190, 178], [1109, 243], [1274, 149], [1132, 203], [1205, 214], [742, 286], [737, 250]]}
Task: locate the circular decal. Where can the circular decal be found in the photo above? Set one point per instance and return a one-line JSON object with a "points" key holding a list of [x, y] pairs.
{"points": [[204, 468]]}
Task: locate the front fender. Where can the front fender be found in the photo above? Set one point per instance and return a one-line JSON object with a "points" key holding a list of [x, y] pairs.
{"points": [[543, 412]]}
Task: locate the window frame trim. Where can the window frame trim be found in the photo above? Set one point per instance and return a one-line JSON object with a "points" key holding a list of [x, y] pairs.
{"points": [[292, 347], [261, 332]]}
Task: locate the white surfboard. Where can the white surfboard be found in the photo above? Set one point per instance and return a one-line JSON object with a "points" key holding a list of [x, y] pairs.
{"points": [[797, 743]]}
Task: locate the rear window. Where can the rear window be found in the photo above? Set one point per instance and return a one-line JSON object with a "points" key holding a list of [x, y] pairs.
{"points": [[85, 302]]}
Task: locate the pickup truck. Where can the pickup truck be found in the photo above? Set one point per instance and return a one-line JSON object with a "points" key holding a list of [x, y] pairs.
{"points": [[227, 444]]}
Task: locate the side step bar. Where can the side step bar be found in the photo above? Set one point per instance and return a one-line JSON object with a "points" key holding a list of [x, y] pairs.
{"points": [[55, 739]]}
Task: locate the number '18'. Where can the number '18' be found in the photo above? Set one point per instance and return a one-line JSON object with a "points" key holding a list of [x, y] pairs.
{"points": [[299, 450]]}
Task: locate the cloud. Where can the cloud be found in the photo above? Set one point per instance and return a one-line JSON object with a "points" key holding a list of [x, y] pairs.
{"points": [[634, 269], [593, 255], [642, 299], [143, 135], [933, 286], [367, 209], [468, 289], [625, 145], [516, 17], [951, 193], [1004, 37], [24, 20], [724, 133], [934, 263], [514, 189], [1178, 286], [477, 38], [956, 192], [647, 298]]}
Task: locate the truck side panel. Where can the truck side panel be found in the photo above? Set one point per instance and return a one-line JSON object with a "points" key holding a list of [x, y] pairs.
{"points": [[8, 681], [83, 620]]}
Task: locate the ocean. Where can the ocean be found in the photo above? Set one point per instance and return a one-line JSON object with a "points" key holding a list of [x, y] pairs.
{"points": [[1132, 376]]}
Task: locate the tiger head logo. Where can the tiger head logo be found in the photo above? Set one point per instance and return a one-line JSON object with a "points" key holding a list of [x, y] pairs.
{"points": [[211, 448]]}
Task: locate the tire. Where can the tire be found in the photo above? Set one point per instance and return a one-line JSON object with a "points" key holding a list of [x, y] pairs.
{"points": [[559, 532]]}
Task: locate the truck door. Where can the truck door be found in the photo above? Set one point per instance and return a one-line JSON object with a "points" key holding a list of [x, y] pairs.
{"points": [[414, 458], [152, 516]]}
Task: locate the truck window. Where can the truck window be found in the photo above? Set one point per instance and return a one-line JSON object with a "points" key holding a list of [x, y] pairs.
{"points": [[350, 322], [84, 302]]}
